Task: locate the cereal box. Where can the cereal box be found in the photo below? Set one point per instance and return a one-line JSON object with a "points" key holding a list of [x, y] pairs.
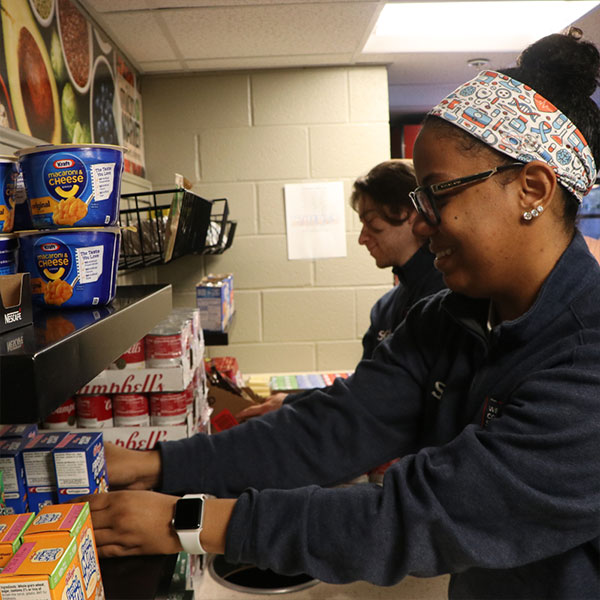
{"points": [[19, 431], [79, 465], [214, 298], [40, 476], [72, 521], [11, 534], [44, 569], [11, 463]]}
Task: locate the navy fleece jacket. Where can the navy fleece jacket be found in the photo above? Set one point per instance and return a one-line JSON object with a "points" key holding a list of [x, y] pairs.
{"points": [[499, 483], [417, 279]]}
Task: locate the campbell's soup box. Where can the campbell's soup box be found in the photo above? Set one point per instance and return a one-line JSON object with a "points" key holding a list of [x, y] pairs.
{"points": [[11, 464], [80, 465], [72, 185], [12, 528], [43, 569], [40, 476], [72, 521], [71, 268]]}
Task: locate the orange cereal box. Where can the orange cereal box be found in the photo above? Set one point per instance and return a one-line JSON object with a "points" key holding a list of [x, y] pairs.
{"points": [[68, 521], [11, 534], [44, 569]]}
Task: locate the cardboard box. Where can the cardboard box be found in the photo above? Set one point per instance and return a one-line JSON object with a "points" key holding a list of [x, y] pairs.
{"points": [[15, 301], [141, 438], [11, 534], [139, 381], [80, 465], [44, 569], [72, 521], [226, 404], [214, 298], [11, 463], [40, 475]]}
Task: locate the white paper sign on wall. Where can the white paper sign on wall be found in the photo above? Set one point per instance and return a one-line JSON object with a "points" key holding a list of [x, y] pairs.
{"points": [[315, 221]]}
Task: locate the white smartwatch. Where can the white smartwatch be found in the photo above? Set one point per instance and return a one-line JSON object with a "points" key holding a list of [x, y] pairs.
{"points": [[187, 522]]}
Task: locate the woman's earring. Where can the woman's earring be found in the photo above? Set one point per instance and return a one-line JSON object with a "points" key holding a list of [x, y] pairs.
{"points": [[534, 212]]}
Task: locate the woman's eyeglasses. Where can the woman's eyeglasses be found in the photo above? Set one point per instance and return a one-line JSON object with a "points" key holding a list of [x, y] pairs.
{"points": [[423, 197]]}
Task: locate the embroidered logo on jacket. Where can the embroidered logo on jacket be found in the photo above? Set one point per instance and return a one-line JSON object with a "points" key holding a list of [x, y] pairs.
{"points": [[383, 333], [438, 390], [491, 409]]}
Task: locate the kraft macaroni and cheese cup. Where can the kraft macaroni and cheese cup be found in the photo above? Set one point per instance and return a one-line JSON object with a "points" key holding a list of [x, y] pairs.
{"points": [[71, 268], [8, 180], [9, 246], [71, 185]]}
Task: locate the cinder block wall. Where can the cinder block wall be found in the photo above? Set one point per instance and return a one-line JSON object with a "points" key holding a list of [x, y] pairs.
{"points": [[243, 136]]}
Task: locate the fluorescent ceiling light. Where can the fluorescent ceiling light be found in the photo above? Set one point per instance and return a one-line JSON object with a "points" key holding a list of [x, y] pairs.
{"points": [[470, 26]]}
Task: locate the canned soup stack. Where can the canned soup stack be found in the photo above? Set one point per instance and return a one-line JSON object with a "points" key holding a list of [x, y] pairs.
{"points": [[73, 195]]}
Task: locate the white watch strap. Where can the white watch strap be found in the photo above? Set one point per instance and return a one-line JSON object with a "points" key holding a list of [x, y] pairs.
{"points": [[190, 538]]}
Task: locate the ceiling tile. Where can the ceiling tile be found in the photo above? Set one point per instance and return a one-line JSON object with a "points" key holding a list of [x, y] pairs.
{"points": [[289, 30]]}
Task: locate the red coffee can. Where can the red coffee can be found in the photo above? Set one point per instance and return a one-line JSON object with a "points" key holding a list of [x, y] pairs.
{"points": [[94, 411], [134, 358], [168, 408], [131, 410], [63, 417]]}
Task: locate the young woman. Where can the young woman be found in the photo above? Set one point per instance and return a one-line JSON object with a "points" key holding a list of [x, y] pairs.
{"points": [[490, 391]]}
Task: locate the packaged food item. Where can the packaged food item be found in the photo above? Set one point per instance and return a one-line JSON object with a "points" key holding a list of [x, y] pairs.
{"points": [[40, 475], [72, 185], [9, 172], [214, 298], [24, 430], [80, 465], [62, 417], [131, 410], [68, 521], [43, 569], [134, 358], [168, 408], [11, 464], [94, 411], [71, 267], [12, 528], [9, 254], [167, 344]]}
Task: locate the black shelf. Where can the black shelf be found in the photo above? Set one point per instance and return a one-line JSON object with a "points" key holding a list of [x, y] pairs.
{"points": [[43, 364]]}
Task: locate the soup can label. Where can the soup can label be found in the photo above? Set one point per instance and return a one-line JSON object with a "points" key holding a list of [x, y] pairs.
{"points": [[168, 408], [134, 358], [164, 350], [94, 411], [63, 416], [131, 410]]}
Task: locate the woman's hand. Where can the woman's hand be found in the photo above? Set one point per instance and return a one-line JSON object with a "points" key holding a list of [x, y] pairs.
{"points": [[133, 522], [272, 403], [132, 469]]}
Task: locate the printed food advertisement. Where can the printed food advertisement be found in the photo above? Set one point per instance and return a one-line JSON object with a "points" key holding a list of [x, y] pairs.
{"points": [[62, 80]]}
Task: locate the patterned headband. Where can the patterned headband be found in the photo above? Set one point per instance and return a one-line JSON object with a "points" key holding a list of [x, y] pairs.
{"points": [[515, 120]]}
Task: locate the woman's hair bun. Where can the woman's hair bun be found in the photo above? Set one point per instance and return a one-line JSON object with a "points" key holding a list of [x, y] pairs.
{"points": [[566, 60]]}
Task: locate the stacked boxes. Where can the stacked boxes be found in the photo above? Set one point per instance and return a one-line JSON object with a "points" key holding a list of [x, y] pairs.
{"points": [[11, 534], [40, 475], [44, 569], [66, 521]]}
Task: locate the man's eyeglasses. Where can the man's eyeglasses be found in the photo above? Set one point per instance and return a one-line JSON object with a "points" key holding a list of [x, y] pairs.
{"points": [[423, 197]]}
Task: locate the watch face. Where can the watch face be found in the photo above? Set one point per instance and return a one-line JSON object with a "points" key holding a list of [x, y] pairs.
{"points": [[188, 513]]}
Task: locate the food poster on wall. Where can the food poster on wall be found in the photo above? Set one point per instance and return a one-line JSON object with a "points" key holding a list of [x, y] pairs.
{"points": [[59, 78]]}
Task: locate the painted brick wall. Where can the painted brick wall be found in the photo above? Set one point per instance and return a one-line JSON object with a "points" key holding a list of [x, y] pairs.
{"points": [[243, 136]]}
